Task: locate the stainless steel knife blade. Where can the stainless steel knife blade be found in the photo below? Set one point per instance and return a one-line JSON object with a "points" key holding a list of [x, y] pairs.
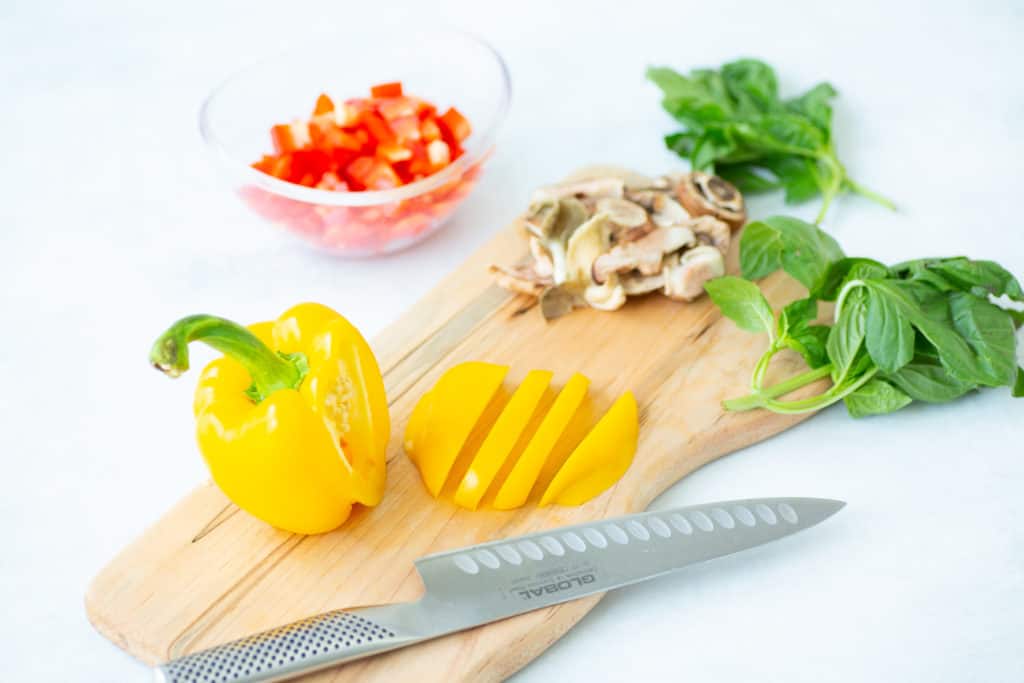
{"points": [[490, 581]]}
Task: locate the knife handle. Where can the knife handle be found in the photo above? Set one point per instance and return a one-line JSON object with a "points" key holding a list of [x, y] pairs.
{"points": [[298, 648]]}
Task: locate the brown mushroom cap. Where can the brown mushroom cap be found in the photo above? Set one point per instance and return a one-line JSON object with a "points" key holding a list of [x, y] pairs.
{"points": [[703, 194]]}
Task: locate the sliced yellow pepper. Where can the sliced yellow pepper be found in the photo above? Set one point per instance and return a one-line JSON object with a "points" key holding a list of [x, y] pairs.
{"points": [[523, 476], [293, 420], [501, 440], [601, 458], [444, 418], [466, 443]]}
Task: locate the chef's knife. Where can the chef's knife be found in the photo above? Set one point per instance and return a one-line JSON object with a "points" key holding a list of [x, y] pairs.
{"points": [[490, 581]]}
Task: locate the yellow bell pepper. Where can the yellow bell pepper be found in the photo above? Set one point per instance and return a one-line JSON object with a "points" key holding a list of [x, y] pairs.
{"points": [[293, 419], [466, 439], [600, 459]]}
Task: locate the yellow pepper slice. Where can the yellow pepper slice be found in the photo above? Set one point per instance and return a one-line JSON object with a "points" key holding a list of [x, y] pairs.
{"points": [[600, 459], [293, 420], [516, 488], [500, 443], [445, 416]]}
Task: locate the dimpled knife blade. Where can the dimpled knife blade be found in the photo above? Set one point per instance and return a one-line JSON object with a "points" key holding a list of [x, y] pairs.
{"points": [[490, 581]]}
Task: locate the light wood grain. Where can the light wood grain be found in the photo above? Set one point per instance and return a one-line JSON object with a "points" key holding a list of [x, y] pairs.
{"points": [[207, 573]]}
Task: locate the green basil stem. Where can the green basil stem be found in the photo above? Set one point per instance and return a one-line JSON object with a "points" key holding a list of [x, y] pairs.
{"points": [[270, 371], [868, 193], [837, 393], [757, 399]]}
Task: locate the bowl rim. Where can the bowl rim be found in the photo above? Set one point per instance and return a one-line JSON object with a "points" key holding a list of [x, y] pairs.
{"points": [[480, 150]]}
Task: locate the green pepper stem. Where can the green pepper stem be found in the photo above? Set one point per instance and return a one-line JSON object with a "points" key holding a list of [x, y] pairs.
{"points": [[270, 371], [757, 399]]}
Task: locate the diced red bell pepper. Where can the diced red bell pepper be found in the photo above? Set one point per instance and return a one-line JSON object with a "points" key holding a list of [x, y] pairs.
{"points": [[439, 154], [455, 124], [396, 107], [373, 174], [429, 130], [324, 105], [377, 127], [392, 152], [406, 128], [326, 135], [392, 89], [290, 137]]}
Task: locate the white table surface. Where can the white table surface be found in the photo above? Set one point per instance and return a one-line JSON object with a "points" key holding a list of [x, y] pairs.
{"points": [[113, 225]]}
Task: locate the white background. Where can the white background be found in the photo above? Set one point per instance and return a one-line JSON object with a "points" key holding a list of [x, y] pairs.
{"points": [[113, 225]]}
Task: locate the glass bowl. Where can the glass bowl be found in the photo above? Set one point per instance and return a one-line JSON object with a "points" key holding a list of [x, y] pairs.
{"points": [[445, 66]]}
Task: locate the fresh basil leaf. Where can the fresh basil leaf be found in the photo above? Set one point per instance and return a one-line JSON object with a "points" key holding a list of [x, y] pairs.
{"points": [[815, 105], [746, 177], [811, 343], [990, 332], [691, 101], [742, 302], [1018, 386], [889, 337], [807, 251], [798, 176], [760, 250], [954, 353], [838, 274], [681, 143], [847, 335], [713, 144], [752, 85], [797, 316], [928, 382], [875, 397], [979, 277]]}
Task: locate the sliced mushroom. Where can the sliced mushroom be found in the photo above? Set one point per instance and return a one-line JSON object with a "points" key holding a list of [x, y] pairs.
{"points": [[605, 297], [622, 213], [644, 255], [712, 231], [541, 258], [522, 279], [589, 241], [555, 232], [666, 211], [685, 280], [556, 302], [634, 283], [630, 178], [593, 188], [703, 194]]}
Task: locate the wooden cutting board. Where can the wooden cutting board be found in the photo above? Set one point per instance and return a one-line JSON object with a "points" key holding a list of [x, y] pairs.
{"points": [[207, 572]]}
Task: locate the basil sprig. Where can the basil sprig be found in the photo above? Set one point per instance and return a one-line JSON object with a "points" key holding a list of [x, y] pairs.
{"points": [[925, 330], [736, 126]]}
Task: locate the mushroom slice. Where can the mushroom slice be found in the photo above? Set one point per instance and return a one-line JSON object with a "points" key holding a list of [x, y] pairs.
{"points": [[685, 280], [622, 213], [666, 211], [589, 241], [553, 222], [609, 296], [592, 188], [703, 194], [644, 254], [556, 302], [522, 279], [634, 283], [710, 230], [541, 258]]}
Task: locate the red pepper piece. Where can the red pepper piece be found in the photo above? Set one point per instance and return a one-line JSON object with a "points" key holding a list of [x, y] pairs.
{"points": [[392, 153], [324, 105], [429, 130], [392, 89], [396, 107], [290, 137], [455, 124], [377, 127], [373, 174], [406, 128]]}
